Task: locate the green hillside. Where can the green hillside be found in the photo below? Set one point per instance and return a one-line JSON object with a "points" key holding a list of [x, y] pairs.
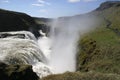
{"points": [[98, 56], [99, 50]]}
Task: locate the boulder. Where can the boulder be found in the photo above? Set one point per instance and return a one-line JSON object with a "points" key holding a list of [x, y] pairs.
{"points": [[17, 72]]}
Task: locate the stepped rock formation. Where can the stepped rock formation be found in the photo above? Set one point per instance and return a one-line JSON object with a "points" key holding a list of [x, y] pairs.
{"points": [[20, 48], [17, 45]]}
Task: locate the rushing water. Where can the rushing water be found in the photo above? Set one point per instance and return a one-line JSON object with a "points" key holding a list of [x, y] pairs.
{"points": [[21, 48]]}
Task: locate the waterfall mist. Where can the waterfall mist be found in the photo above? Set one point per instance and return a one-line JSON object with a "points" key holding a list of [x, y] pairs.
{"points": [[64, 36], [61, 46]]}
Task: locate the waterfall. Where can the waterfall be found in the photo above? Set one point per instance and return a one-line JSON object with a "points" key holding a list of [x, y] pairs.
{"points": [[61, 46], [55, 53], [21, 47]]}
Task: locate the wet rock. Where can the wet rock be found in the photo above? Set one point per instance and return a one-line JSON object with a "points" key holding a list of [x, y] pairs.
{"points": [[17, 72], [18, 34]]}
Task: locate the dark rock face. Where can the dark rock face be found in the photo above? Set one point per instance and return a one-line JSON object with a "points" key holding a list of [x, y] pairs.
{"points": [[109, 4], [43, 24], [45, 28], [17, 72], [18, 35]]}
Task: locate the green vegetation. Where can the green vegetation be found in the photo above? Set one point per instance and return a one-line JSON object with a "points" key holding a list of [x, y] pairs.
{"points": [[99, 49], [83, 76]]}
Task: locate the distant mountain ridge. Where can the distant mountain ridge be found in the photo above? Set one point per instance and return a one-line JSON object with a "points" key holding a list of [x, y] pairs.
{"points": [[109, 4]]}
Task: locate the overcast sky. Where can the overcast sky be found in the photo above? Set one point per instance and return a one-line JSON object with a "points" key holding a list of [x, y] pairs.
{"points": [[51, 8]]}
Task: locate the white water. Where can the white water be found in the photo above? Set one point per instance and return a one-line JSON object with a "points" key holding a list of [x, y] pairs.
{"points": [[45, 44], [21, 48], [60, 48]]}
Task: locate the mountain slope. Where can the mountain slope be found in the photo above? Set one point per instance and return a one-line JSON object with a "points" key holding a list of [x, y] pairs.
{"points": [[16, 21], [100, 48]]}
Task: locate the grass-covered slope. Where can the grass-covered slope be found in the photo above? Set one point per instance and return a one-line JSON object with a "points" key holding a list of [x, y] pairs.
{"points": [[99, 50], [98, 56], [83, 76]]}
